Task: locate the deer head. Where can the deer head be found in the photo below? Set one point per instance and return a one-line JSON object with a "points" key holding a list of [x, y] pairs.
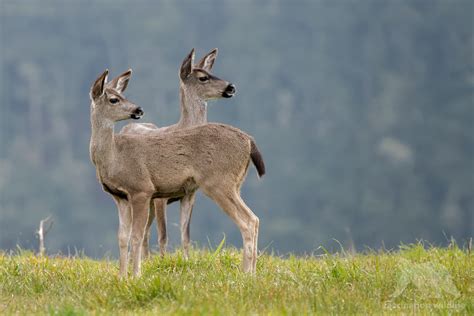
{"points": [[108, 101], [198, 80]]}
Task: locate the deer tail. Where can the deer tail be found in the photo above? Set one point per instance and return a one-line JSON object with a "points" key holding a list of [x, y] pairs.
{"points": [[257, 158]]}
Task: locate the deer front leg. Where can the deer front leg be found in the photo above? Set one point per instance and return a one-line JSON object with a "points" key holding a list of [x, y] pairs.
{"points": [[140, 204], [124, 230], [186, 210], [160, 212], [146, 239]]}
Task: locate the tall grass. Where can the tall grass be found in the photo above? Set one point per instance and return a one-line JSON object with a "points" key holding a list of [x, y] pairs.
{"points": [[413, 279]]}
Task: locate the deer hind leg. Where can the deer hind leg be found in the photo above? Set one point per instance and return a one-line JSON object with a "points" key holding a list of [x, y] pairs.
{"points": [[146, 239], [186, 210], [140, 204], [160, 212], [124, 230], [247, 222]]}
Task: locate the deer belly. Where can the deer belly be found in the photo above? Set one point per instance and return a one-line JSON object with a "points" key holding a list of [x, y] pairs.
{"points": [[175, 190], [114, 191]]}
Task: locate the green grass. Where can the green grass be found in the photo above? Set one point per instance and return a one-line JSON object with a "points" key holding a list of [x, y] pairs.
{"points": [[415, 278]]}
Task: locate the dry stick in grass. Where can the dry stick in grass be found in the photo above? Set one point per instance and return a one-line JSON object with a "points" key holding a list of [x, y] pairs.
{"points": [[42, 231]]}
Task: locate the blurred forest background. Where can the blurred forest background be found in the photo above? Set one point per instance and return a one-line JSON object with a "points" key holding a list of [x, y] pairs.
{"points": [[363, 110]]}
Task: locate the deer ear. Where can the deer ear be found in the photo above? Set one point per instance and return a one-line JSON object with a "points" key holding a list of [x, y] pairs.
{"points": [[187, 65], [98, 87], [120, 83], [207, 61]]}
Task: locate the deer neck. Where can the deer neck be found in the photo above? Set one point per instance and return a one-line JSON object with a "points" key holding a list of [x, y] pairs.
{"points": [[102, 143], [193, 108]]}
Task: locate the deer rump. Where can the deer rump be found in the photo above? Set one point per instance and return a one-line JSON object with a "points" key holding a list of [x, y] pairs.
{"points": [[181, 161]]}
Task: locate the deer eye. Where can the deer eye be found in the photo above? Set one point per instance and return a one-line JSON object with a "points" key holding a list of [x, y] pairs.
{"points": [[203, 79], [114, 100]]}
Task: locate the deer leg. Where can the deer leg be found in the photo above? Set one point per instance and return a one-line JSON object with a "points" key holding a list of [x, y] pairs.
{"points": [[160, 211], [255, 234], [247, 222], [124, 230], [146, 239], [186, 210], [140, 204]]}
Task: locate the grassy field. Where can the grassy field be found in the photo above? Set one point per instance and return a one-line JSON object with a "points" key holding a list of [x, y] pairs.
{"points": [[412, 279]]}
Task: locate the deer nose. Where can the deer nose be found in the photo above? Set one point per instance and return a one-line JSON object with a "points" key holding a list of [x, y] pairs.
{"points": [[230, 89], [138, 111]]}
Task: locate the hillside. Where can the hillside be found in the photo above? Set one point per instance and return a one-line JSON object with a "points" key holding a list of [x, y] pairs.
{"points": [[363, 112]]}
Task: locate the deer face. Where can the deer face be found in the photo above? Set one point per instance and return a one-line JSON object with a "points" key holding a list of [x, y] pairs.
{"points": [[108, 101], [199, 80], [208, 87]]}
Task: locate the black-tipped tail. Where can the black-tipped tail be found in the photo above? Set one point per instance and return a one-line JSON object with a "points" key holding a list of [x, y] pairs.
{"points": [[257, 158]]}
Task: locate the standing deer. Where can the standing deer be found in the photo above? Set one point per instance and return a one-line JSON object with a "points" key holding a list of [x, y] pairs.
{"points": [[134, 169], [197, 86]]}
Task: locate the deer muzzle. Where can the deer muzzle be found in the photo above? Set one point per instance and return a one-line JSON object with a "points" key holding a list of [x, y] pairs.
{"points": [[137, 114], [229, 91]]}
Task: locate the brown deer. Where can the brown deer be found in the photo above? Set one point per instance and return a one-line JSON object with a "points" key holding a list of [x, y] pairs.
{"points": [[197, 86], [134, 169]]}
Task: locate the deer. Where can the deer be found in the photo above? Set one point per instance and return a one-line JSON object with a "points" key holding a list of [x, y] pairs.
{"points": [[197, 86], [135, 169]]}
